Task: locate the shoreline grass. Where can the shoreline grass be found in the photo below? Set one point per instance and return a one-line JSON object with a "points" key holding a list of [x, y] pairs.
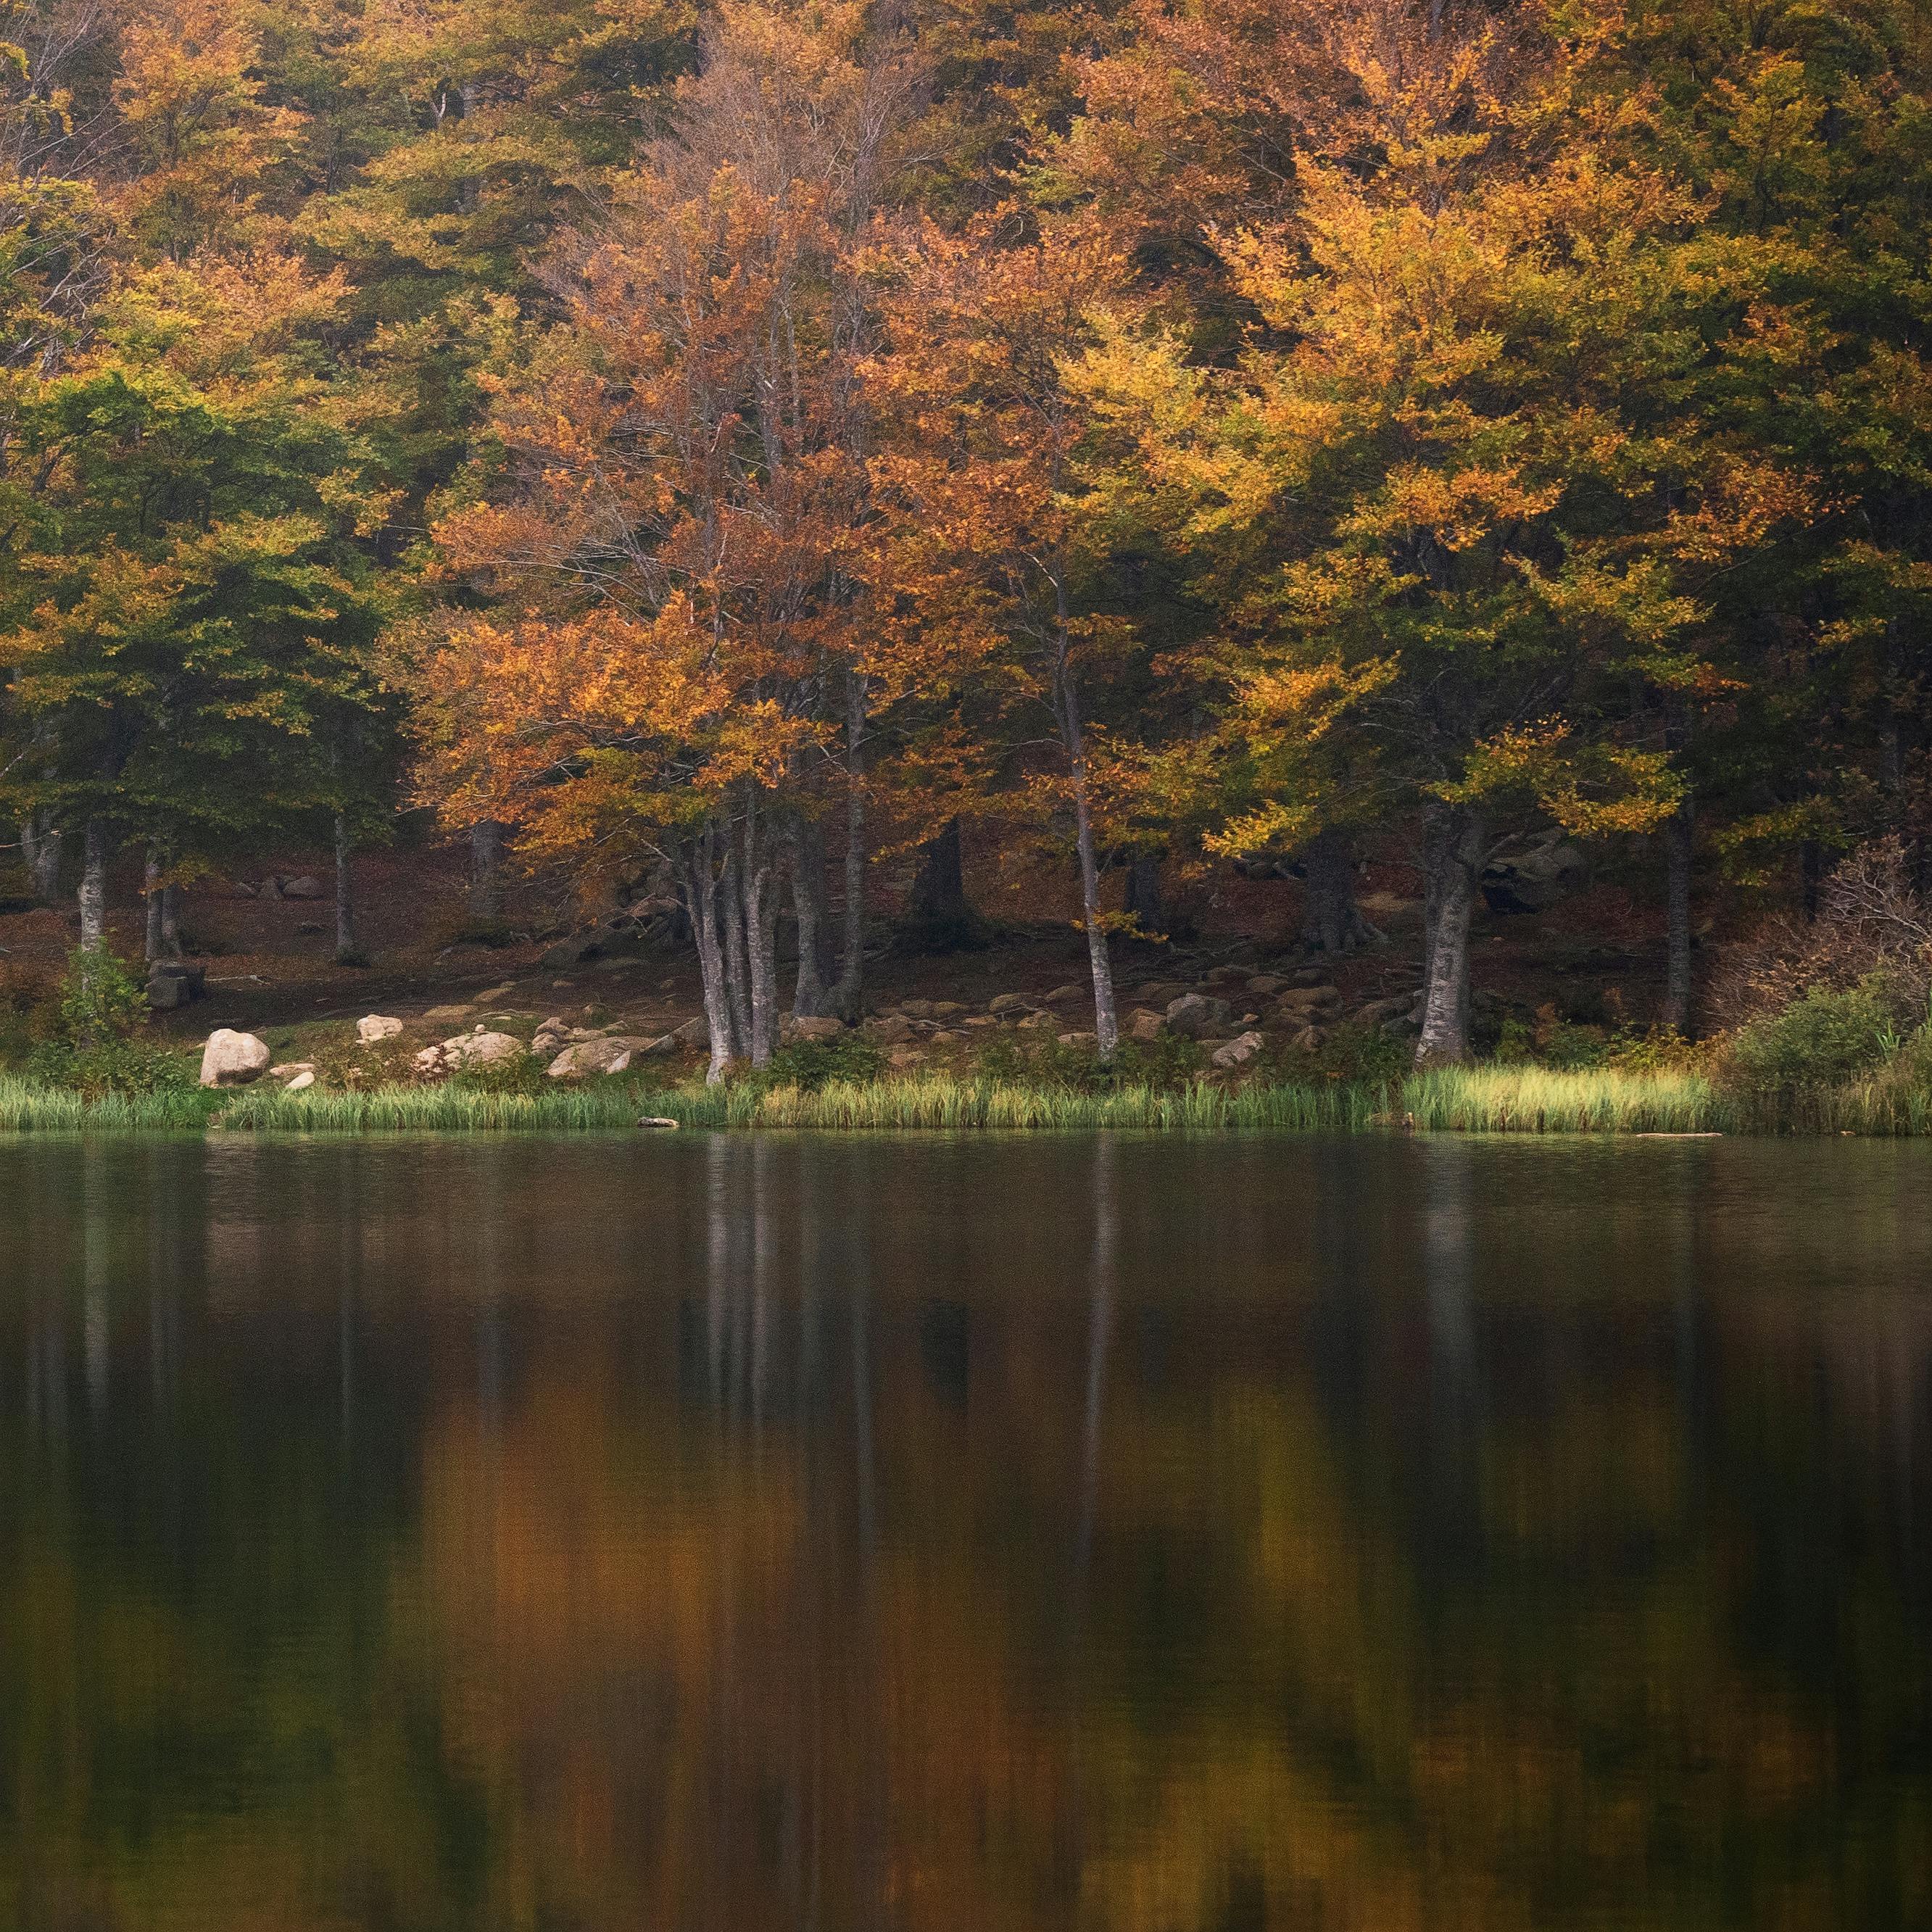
{"points": [[1512, 1100]]}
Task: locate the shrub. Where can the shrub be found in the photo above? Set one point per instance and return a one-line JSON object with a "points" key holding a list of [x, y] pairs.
{"points": [[1821, 1040], [521, 1073], [355, 1067], [1354, 1054], [95, 1045], [809, 1064]]}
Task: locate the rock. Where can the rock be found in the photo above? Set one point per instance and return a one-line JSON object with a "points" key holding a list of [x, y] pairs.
{"points": [[981, 1020], [659, 1123], [271, 889], [607, 1054], [1238, 1052], [1195, 1016], [951, 1036], [1033, 1022], [1310, 1039], [373, 1026], [1061, 995], [1003, 1006], [1162, 993], [303, 888], [1145, 1026], [1229, 976], [573, 951], [813, 1026], [308, 929], [232, 1059], [302, 1082], [171, 987], [241, 889], [694, 1033], [1310, 999], [946, 1009], [1264, 986], [892, 1030], [664, 1043], [290, 1070], [916, 1010], [903, 1057], [1379, 1013], [1089, 1041], [469, 1049], [1311, 976]]}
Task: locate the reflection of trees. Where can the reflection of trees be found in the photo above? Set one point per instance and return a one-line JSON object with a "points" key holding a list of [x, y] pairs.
{"points": [[746, 1564]]}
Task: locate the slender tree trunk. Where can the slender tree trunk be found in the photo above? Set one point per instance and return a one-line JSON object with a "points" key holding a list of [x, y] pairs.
{"points": [[151, 881], [1331, 920], [701, 900], [1106, 1024], [346, 949], [808, 900], [848, 995], [937, 908], [737, 972], [40, 845], [1453, 862], [171, 937], [1144, 899], [486, 869], [1677, 833], [760, 903], [93, 894]]}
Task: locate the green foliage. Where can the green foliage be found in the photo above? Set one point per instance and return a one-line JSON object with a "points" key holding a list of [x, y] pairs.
{"points": [[96, 1046], [521, 1073], [1354, 1054], [1822, 1040], [810, 1064]]}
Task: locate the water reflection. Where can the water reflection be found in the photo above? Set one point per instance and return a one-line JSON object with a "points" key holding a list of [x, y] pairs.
{"points": [[728, 1533]]}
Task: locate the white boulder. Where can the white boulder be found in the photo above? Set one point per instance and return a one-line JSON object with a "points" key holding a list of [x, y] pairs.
{"points": [[232, 1059]]}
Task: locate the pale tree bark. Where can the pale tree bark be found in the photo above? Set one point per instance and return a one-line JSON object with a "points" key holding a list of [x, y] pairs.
{"points": [[737, 968], [1106, 1024], [760, 901], [486, 869], [171, 934], [1453, 864], [151, 884], [699, 880], [40, 844], [93, 893], [346, 949], [849, 994], [1331, 919], [1679, 830]]}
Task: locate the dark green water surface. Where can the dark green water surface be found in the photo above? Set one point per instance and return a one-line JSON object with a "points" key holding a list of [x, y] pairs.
{"points": [[1004, 1535]]}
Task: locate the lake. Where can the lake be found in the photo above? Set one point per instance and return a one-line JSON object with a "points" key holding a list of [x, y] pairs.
{"points": [[1000, 1534]]}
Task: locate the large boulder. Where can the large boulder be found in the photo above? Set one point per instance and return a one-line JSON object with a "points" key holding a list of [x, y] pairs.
{"points": [[891, 1030], [171, 986], [812, 1026], [303, 888], [1240, 1051], [574, 951], [695, 1033], [468, 1049], [1145, 1026], [1008, 1006], [232, 1059], [1305, 1002], [610, 1053], [373, 1027], [1198, 1016]]}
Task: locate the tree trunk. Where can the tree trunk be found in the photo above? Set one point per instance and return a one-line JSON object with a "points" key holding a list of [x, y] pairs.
{"points": [[1453, 862], [1106, 1025], [760, 895], [93, 893], [1678, 832], [40, 846], [171, 938], [808, 904], [486, 869], [737, 974], [150, 882], [1144, 899], [700, 884], [346, 949], [849, 994], [937, 910], [1331, 921]]}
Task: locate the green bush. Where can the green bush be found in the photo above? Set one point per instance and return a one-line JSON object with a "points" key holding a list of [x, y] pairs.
{"points": [[1823, 1039], [1353, 1053], [850, 1058], [95, 1045]]}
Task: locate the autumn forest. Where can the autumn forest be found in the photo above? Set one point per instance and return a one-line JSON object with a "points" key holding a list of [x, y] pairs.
{"points": [[706, 448]]}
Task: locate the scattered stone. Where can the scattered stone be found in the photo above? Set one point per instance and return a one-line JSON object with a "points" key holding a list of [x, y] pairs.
{"points": [[812, 1026], [308, 929], [1033, 1022], [664, 1043], [888, 1029], [302, 1082], [1238, 1052], [289, 1069], [1379, 1012], [446, 1016], [1089, 1041], [1162, 993], [1145, 1026], [1311, 976], [946, 1009], [916, 1010], [658, 1122], [951, 1036], [1310, 1039], [1003, 1005], [1061, 995], [1309, 1001], [903, 1057], [1264, 986], [574, 951], [694, 1033], [980, 1020], [232, 1059], [607, 1054], [1195, 1016], [373, 1026], [1228, 976], [303, 888], [171, 986], [479, 1048], [242, 889]]}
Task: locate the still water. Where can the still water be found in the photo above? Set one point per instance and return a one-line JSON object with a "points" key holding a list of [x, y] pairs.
{"points": [[759, 1535]]}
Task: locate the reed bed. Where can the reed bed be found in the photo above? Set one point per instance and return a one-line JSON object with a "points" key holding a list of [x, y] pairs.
{"points": [[1516, 1099]]}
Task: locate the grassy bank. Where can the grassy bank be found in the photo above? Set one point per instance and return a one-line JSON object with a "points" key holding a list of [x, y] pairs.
{"points": [[1491, 1099]]}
